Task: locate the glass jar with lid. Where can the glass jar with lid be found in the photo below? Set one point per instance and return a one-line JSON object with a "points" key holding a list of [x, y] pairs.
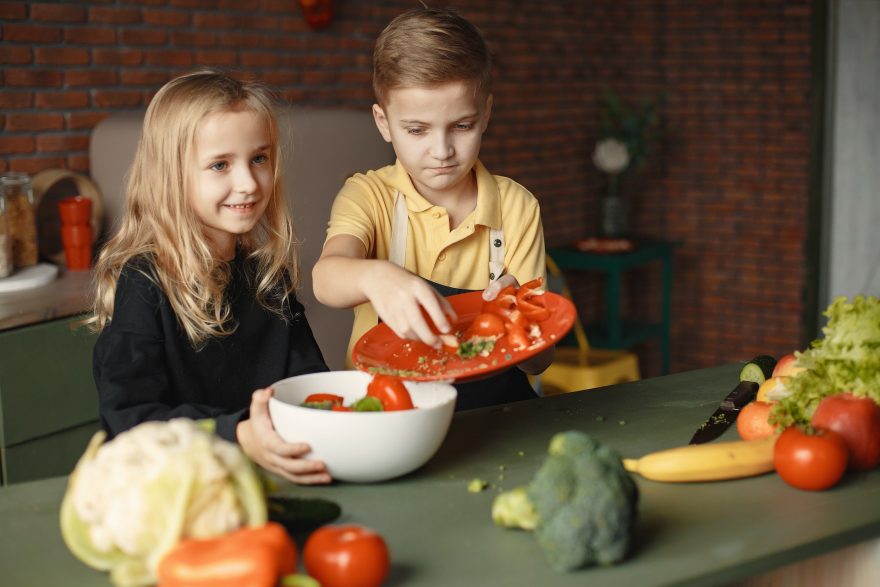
{"points": [[18, 196], [6, 266]]}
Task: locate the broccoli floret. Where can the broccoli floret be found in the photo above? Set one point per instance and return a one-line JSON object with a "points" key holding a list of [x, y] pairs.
{"points": [[581, 503]]}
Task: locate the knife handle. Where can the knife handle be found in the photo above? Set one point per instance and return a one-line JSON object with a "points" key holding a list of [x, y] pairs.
{"points": [[740, 396]]}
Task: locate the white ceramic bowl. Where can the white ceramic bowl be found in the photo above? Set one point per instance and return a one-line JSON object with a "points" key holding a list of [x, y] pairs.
{"points": [[363, 447]]}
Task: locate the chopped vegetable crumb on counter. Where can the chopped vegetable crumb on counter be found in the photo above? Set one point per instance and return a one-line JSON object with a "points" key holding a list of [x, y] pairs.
{"points": [[477, 485]]}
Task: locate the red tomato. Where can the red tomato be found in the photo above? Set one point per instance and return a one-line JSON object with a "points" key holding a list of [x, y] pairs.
{"points": [[517, 337], [530, 301], [505, 305], [346, 556], [391, 392], [813, 459], [518, 319], [336, 400], [857, 420], [487, 326], [753, 421], [340, 408]]}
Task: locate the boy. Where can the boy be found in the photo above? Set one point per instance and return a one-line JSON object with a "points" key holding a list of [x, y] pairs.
{"points": [[435, 223]]}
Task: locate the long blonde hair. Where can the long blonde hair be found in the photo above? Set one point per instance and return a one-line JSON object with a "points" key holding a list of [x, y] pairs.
{"points": [[160, 225]]}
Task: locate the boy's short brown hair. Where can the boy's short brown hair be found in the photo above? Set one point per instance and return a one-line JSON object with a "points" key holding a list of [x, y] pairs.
{"points": [[430, 46]]}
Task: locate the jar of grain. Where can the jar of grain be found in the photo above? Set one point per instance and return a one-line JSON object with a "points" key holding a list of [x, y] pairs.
{"points": [[5, 243], [18, 196]]}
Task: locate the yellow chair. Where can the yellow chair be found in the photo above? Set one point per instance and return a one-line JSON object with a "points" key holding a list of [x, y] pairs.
{"points": [[580, 367]]}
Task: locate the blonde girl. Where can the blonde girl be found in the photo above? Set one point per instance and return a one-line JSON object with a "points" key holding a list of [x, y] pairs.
{"points": [[195, 292]]}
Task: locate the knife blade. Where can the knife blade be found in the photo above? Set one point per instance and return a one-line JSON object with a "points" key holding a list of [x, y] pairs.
{"points": [[726, 413]]}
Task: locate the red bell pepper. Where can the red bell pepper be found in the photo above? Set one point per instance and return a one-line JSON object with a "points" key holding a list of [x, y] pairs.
{"points": [[249, 557]]}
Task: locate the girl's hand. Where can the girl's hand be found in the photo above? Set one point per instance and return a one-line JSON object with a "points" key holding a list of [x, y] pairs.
{"points": [[399, 297], [260, 441]]}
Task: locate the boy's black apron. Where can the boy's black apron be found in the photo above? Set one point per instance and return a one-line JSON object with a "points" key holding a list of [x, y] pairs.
{"points": [[507, 386]]}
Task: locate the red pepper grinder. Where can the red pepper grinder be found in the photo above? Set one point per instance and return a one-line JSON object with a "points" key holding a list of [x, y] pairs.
{"points": [[76, 232]]}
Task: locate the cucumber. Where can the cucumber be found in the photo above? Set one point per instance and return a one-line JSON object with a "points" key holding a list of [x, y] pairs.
{"points": [[758, 369], [300, 515]]}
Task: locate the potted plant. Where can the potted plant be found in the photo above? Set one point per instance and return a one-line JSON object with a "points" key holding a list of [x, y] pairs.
{"points": [[622, 148]]}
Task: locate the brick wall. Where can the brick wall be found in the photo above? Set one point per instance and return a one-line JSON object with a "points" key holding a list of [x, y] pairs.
{"points": [[728, 178]]}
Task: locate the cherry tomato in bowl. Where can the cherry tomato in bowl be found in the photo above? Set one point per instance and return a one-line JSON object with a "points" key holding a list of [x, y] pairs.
{"points": [[346, 556], [335, 400], [391, 392], [810, 458]]}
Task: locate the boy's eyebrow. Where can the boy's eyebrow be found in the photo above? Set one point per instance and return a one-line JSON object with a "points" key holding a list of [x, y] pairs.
{"points": [[416, 121]]}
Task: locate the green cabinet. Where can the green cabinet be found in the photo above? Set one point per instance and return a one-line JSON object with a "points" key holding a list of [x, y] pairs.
{"points": [[48, 402]]}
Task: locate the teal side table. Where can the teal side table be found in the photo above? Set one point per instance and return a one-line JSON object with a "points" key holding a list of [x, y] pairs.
{"points": [[618, 333]]}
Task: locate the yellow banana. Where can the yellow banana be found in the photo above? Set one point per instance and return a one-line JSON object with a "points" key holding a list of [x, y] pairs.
{"points": [[706, 462]]}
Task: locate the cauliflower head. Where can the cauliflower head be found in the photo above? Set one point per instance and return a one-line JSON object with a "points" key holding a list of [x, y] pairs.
{"points": [[130, 500]]}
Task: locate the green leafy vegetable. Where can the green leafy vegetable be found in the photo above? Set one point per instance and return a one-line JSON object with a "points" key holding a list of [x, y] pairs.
{"points": [[475, 346], [368, 404], [847, 358]]}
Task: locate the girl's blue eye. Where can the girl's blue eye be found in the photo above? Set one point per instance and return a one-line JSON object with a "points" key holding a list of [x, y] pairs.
{"points": [[260, 159], [465, 126], [415, 130], [219, 166]]}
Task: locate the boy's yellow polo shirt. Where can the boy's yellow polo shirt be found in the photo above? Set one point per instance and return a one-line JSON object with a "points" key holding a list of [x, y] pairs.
{"points": [[459, 258]]}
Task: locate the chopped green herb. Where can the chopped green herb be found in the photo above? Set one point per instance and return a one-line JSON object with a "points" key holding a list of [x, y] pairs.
{"points": [[474, 347]]}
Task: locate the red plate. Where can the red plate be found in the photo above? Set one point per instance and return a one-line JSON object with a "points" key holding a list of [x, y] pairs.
{"points": [[379, 350]]}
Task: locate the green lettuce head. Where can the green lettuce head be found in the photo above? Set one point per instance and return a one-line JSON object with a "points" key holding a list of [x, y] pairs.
{"points": [[846, 359]]}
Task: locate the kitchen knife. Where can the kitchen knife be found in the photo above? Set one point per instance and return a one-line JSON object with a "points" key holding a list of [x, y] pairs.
{"points": [[726, 413]]}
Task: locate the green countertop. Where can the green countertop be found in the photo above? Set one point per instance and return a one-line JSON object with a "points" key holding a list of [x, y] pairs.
{"points": [[439, 534]]}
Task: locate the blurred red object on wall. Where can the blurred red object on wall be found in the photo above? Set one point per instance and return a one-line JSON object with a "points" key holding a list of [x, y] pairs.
{"points": [[318, 13]]}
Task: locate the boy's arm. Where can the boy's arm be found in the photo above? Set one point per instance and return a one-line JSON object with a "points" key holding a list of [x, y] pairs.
{"points": [[343, 277]]}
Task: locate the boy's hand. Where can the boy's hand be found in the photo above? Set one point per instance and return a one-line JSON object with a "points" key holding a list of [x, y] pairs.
{"points": [[399, 297], [491, 292], [260, 441]]}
